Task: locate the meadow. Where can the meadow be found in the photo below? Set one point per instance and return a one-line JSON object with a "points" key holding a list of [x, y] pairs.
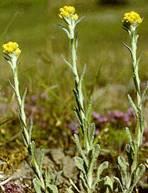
{"points": [[42, 70]]}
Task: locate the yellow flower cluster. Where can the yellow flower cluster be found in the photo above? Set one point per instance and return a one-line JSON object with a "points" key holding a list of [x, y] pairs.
{"points": [[11, 48], [131, 18], [68, 12]]}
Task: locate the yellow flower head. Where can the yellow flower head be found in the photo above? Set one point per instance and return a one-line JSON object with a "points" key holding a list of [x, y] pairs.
{"points": [[131, 18], [68, 12], [11, 48]]}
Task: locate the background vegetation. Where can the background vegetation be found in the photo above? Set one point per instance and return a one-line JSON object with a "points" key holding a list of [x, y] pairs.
{"points": [[34, 25]]}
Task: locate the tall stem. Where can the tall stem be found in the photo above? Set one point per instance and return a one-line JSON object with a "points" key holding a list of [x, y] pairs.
{"points": [[78, 85], [136, 79], [79, 96], [21, 108], [139, 110], [22, 115]]}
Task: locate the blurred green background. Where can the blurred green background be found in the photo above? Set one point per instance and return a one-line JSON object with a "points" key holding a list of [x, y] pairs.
{"points": [[34, 25]]}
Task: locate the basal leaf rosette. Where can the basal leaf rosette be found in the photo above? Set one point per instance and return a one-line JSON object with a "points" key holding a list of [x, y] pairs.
{"points": [[131, 20]]}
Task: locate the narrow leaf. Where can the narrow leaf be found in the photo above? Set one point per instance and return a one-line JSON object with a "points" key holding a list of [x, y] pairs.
{"points": [[132, 104], [137, 175], [53, 188], [37, 185], [79, 163], [103, 166]]}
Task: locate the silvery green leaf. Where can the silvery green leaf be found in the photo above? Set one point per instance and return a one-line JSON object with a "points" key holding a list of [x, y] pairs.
{"points": [[53, 188], [103, 166], [137, 175], [83, 73], [23, 99], [25, 141], [76, 140], [91, 133], [40, 158], [89, 112], [73, 184], [69, 190], [79, 163], [117, 180], [34, 161], [37, 185], [138, 61], [132, 104], [37, 156], [80, 86], [108, 181], [33, 148], [77, 113], [127, 47], [68, 63], [80, 83], [123, 167], [84, 180], [65, 30], [67, 20], [11, 84], [95, 152], [129, 134], [7, 57], [30, 129], [76, 40], [130, 150], [48, 176], [93, 159]]}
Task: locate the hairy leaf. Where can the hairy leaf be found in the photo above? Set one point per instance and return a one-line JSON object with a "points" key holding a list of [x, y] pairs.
{"points": [[37, 185], [138, 173], [53, 188], [124, 167], [100, 170], [80, 164]]}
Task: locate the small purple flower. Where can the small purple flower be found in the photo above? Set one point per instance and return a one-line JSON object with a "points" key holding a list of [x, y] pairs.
{"points": [[131, 113], [12, 187], [115, 115], [126, 118], [100, 118], [129, 117]]}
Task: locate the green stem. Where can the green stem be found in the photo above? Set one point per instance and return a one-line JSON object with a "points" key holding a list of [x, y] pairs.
{"points": [[139, 114], [21, 109], [136, 79], [22, 114], [77, 79], [80, 111], [79, 96]]}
